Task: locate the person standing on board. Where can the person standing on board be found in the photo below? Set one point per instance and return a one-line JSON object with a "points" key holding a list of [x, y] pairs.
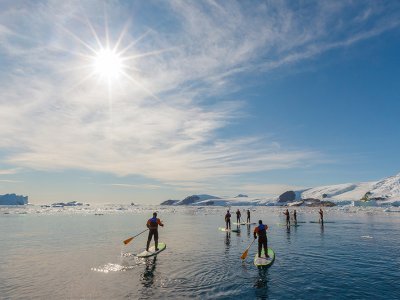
{"points": [[228, 219], [321, 216], [238, 215], [248, 216], [295, 217], [261, 231], [287, 214], [152, 224]]}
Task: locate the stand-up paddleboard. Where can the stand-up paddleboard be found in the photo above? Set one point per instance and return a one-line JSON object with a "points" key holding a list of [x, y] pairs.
{"points": [[284, 225], [244, 223], [263, 261], [228, 230], [320, 222], [152, 251]]}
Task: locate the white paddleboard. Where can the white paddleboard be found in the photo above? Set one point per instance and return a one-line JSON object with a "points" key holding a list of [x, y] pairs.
{"points": [[152, 250], [229, 230]]}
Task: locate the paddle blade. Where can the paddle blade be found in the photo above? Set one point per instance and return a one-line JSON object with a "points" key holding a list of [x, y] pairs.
{"points": [[128, 240], [244, 255]]}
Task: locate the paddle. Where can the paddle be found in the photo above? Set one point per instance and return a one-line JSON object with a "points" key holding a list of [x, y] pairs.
{"points": [[244, 255], [131, 238]]}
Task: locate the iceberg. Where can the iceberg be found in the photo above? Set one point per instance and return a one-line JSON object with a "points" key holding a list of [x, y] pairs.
{"points": [[13, 199]]}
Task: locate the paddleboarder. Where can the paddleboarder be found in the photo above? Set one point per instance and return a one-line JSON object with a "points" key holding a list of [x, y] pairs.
{"points": [[238, 214], [295, 217], [261, 232], [321, 216], [152, 224], [228, 219], [287, 214], [248, 216]]}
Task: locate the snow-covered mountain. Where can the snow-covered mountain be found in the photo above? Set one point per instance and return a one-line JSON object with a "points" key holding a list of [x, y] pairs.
{"points": [[383, 192], [338, 192], [388, 188]]}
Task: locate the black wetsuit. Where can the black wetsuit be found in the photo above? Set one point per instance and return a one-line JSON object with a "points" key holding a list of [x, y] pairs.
{"points": [[287, 218], [152, 224], [238, 214], [228, 220], [248, 216], [261, 231]]}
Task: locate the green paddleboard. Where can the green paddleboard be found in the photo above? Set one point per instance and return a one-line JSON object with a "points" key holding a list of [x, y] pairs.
{"points": [[152, 251], [263, 262]]}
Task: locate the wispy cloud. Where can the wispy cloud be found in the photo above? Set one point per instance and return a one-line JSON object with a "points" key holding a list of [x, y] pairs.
{"points": [[167, 121], [137, 186], [9, 171], [10, 181]]}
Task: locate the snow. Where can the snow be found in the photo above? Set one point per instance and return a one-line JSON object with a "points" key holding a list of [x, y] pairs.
{"points": [[388, 188], [378, 193], [339, 192]]}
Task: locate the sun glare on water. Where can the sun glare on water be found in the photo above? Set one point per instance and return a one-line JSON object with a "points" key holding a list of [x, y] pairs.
{"points": [[108, 64]]}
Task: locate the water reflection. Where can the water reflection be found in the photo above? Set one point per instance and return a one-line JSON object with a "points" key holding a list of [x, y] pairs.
{"points": [[147, 278], [288, 234], [227, 242], [237, 230], [248, 230], [261, 284]]}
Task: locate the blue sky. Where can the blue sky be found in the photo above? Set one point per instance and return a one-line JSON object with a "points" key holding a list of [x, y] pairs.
{"points": [[218, 97]]}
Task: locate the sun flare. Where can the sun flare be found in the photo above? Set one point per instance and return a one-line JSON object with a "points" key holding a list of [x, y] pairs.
{"points": [[108, 64]]}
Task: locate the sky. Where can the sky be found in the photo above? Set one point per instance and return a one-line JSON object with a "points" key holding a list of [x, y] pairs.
{"points": [[144, 101]]}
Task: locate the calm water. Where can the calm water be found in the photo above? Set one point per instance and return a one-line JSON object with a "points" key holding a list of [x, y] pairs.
{"points": [[78, 256]]}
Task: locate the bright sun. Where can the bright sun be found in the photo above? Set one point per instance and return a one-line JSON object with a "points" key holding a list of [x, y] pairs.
{"points": [[108, 64]]}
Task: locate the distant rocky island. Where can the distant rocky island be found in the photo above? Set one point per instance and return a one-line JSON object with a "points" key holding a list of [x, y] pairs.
{"points": [[190, 200], [13, 199], [71, 203]]}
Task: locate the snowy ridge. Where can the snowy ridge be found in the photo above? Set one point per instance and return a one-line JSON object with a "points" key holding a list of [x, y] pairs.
{"points": [[388, 188], [346, 191], [230, 201], [382, 192]]}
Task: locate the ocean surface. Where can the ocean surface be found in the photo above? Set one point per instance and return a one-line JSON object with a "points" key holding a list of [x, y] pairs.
{"points": [[77, 253]]}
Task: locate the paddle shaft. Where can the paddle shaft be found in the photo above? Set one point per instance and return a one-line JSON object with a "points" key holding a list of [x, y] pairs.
{"points": [[244, 255], [131, 238]]}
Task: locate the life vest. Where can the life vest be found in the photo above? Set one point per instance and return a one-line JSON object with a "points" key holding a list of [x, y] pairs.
{"points": [[153, 222], [262, 231]]}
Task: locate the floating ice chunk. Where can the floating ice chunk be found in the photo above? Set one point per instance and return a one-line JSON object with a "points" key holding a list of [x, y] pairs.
{"points": [[366, 237]]}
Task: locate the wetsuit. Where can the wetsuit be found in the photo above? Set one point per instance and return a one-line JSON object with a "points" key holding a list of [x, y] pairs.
{"points": [[152, 224], [287, 218], [238, 214], [248, 216], [228, 220], [295, 217], [261, 231], [321, 216]]}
